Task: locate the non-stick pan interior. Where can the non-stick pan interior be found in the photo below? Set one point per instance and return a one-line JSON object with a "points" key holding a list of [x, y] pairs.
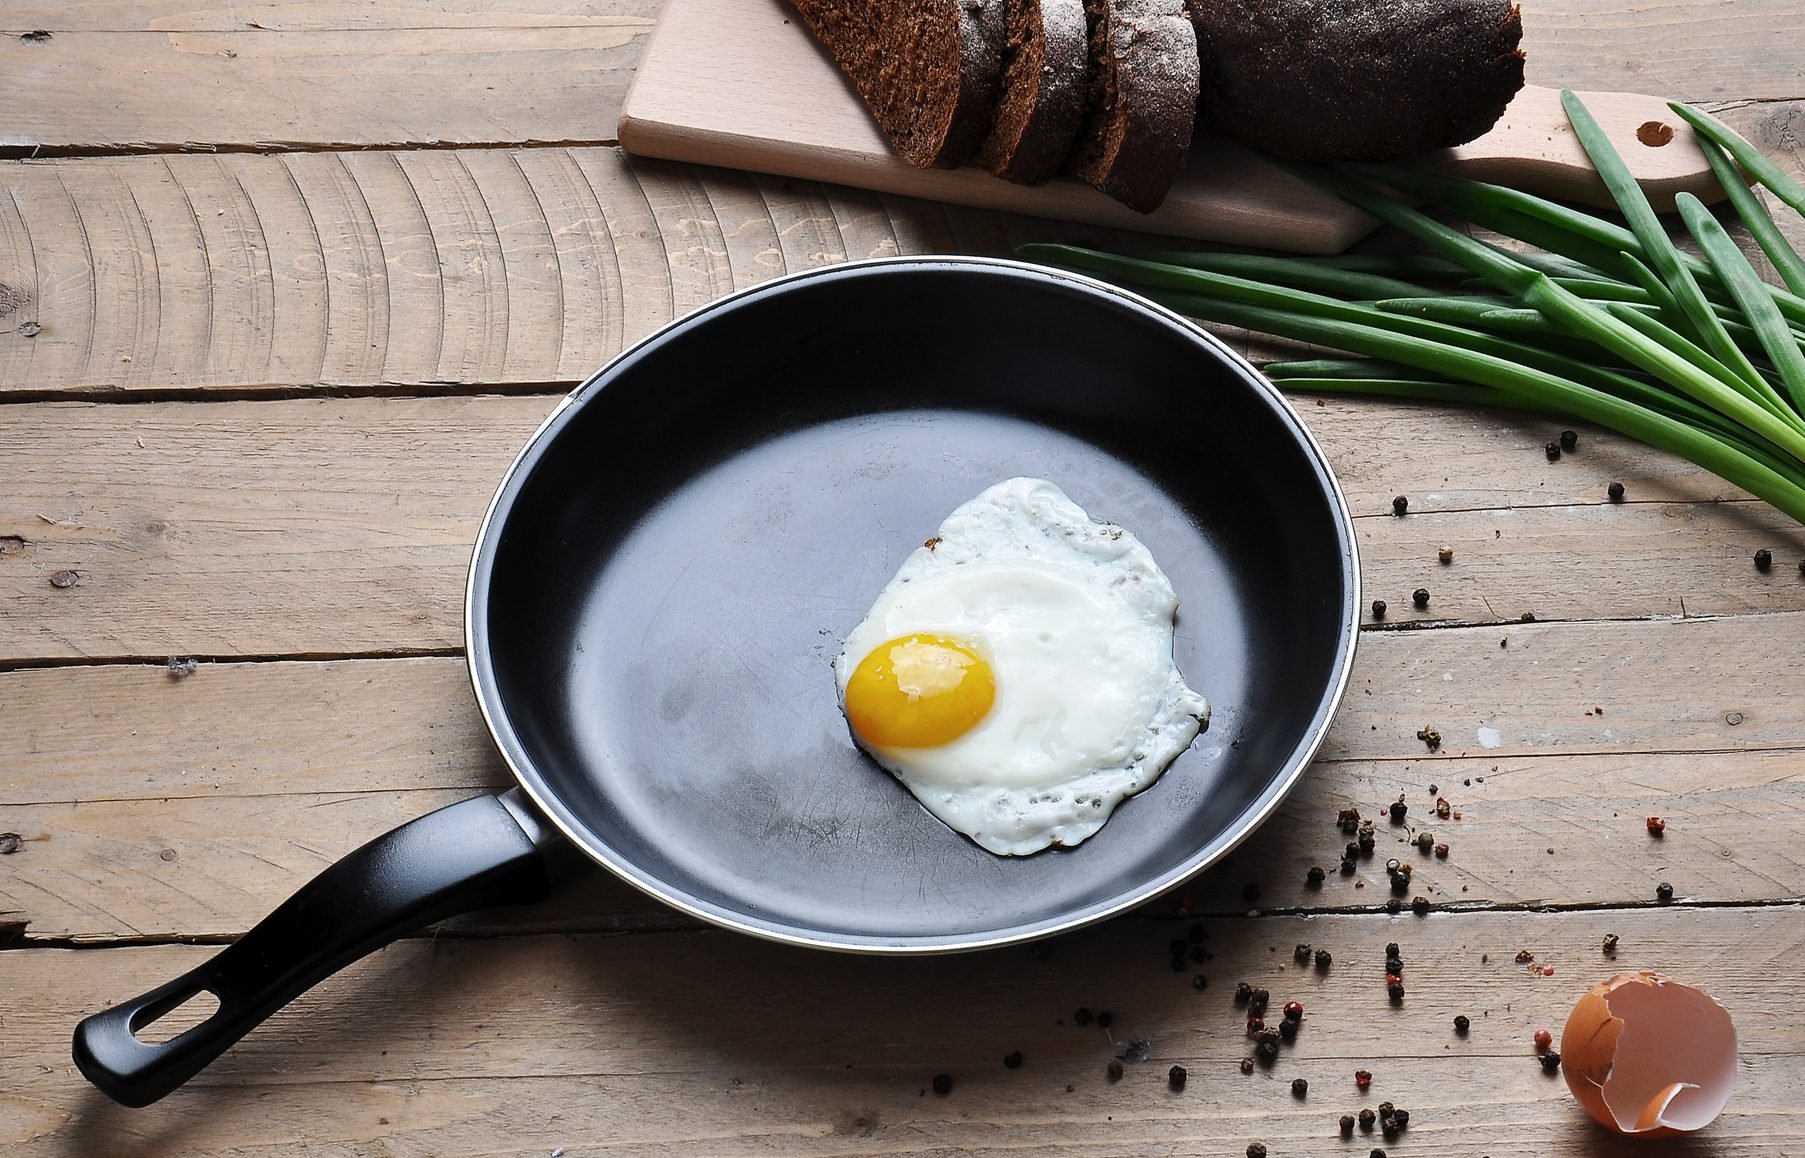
{"points": [[669, 572]]}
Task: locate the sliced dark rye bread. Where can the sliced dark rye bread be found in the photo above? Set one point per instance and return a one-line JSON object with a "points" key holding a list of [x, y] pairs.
{"points": [[1338, 80], [929, 70], [1045, 64], [1141, 103]]}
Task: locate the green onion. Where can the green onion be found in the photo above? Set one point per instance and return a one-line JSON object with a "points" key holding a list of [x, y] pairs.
{"points": [[1761, 227], [1749, 157], [1740, 278]]}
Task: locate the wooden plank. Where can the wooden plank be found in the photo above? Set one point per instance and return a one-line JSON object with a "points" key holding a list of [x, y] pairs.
{"points": [[1685, 51], [152, 806], [181, 550], [441, 1047]]}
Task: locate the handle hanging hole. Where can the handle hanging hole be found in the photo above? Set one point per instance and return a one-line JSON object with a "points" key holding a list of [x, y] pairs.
{"points": [[154, 1026]]}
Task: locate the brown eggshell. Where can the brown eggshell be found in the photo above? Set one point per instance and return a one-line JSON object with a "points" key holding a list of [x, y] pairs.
{"points": [[1648, 1056]]}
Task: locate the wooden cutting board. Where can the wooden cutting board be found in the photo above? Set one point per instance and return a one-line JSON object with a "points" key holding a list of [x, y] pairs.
{"points": [[743, 84]]}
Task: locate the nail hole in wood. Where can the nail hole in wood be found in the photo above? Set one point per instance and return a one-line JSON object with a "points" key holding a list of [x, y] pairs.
{"points": [[1654, 134]]}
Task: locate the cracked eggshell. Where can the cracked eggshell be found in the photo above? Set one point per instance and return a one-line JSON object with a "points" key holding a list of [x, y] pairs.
{"points": [[1648, 1056]]}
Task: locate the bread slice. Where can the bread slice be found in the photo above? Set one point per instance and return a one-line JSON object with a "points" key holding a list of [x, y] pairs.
{"points": [[1336, 80], [929, 70], [1141, 106], [1044, 69]]}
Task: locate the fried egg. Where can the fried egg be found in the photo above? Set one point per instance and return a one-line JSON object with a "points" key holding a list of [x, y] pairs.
{"points": [[1017, 675]]}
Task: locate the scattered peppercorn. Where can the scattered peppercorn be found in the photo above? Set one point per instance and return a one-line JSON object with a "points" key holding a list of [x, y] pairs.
{"points": [[1315, 876], [1255, 1025], [1013, 1061], [1764, 559], [1663, 892], [1293, 1010], [1363, 1079], [1420, 597], [1378, 609], [1462, 1023], [1395, 991], [1446, 555], [1348, 865], [1247, 1065], [1243, 993], [1400, 504], [1425, 841], [1553, 451], [1347, 1125], [1082, 1016], [1400, 884], [1615, 492], [1400, 1118], [1367, 1118], [1610, 944], [1393, 865], [1569, 439], [1398, 808], [1441, 851], [1267, 1052], [1376, 1154], [1175, 1077], [1261, 997], [1394, 966], [1301, 954], [1367, 841], [1551, 1062], [1386, 1109], [1394, 906], [1200, 982], [943, 1084], [1543, 1039], [1656, 825], [1323, 960], [1288, 1030], [1199, 954], [1299, 1087], [1114, 1069], [1256, 1150], [1419, 904], [1407, 869]]}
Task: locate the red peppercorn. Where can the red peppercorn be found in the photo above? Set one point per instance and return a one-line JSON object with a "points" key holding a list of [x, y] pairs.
{"points": [[1362, 1078], [1548, 971], [1255, 1025], [1294, 1009], [1656, 825], [1392, 979], [1544, 1039]]}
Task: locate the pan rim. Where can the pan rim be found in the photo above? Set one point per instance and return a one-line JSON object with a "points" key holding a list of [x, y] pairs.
{"points": [[549, 806]]}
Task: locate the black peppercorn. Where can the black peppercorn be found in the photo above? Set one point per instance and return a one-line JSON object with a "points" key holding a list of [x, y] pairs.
{"points": [[1610, 944], [1394, 906], [1392, 950], [1199, 954], [1367, 841], [1419, 904], [1393, 865], [1420, 597], [1299, 1087], [1288, 1030], [1663, 892], [1247, 1065], [1256, 1150], [943, 1084], [1462, 1023], [1323, 960], [1261, 997], [1615, 492], [1551, 1061], [1243, 993], [1398, 810], [1394, 965], [1400, 504], [1378, 609], [1250, 891], [1175, 1077], [1352, 848], [1401, 1119], [1347, 1125], [1553, 451], [1267, 1051], [1367, 1118], [1301, 954], [1395, 991], [1114, 1070], [1400, 883], [1314, 876], [1013, 1061], [1569, 439], [1082, 1016], [1764, 559], [1200, 982], [1348, 865], [1376, 1154], [1104, 1018]]}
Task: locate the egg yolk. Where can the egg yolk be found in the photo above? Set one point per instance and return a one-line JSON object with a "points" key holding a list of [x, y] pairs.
{"points": [[918, 691]]}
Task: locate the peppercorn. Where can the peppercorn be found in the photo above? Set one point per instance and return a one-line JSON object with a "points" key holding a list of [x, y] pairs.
{"points": [[1663, 892], [1352, 848], [1367, 841], [1267, 1051], [1175, 1077], [1114, 1070], [1419, 904], [1323, 960], [1393, 864], [1400, 1118], [1378, 609], [1551, 1062], [1082, 1016], [1386, 1109], [1441, 851], [1293, 1010], [1315, 876], [943, 1084], [1400, 884], [1247, 1065], [1569, 439], [1256, 1150], [1261, 997], [1420, 597], [1394, 966], [1407, 868], [1656, 826], [1269, 1037], [1255, 1025], [1013, 1061], [1179, 964], [1376, 1154], [1299, 1087], [1347, 1125], [1367, 1118], [1445, 555], [1301, 954], [1243, 993], [1400, 504], [1615, 492], [1348, 865], [1394, 906], [1764, 559], [1392, 950], [1553, 451], [1610, 944], [1395, 991], [1199, 954], [1392, 979], [1398, 809], [1200, 982], [1363, 1079], [1543, 1039], [1425, 841], [1288, 1030]]}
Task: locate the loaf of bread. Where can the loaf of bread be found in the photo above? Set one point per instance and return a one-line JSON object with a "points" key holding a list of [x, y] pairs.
{"points": [[929, 70], [1044, 71], [1343, 80], [1142, 99]]}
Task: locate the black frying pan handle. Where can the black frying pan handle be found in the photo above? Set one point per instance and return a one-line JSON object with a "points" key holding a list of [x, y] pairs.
{"points": [[472, 855]]}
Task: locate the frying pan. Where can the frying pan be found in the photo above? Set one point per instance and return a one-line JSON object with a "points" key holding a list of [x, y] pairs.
{"points": [[662, 580]]}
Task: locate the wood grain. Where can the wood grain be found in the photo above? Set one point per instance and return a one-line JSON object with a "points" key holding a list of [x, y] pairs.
{"points": [[163, 807], [588, 1043], [206, 529]]}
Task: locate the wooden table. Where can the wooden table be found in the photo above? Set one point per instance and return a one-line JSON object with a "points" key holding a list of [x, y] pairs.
{"points": [[283, 287]]}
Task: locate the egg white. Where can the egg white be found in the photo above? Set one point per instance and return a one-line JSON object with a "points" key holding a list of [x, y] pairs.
{"points": [[1075, 619]]}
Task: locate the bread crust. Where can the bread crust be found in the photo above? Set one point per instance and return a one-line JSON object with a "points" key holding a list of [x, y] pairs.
{"points": [[1336, 80]]}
